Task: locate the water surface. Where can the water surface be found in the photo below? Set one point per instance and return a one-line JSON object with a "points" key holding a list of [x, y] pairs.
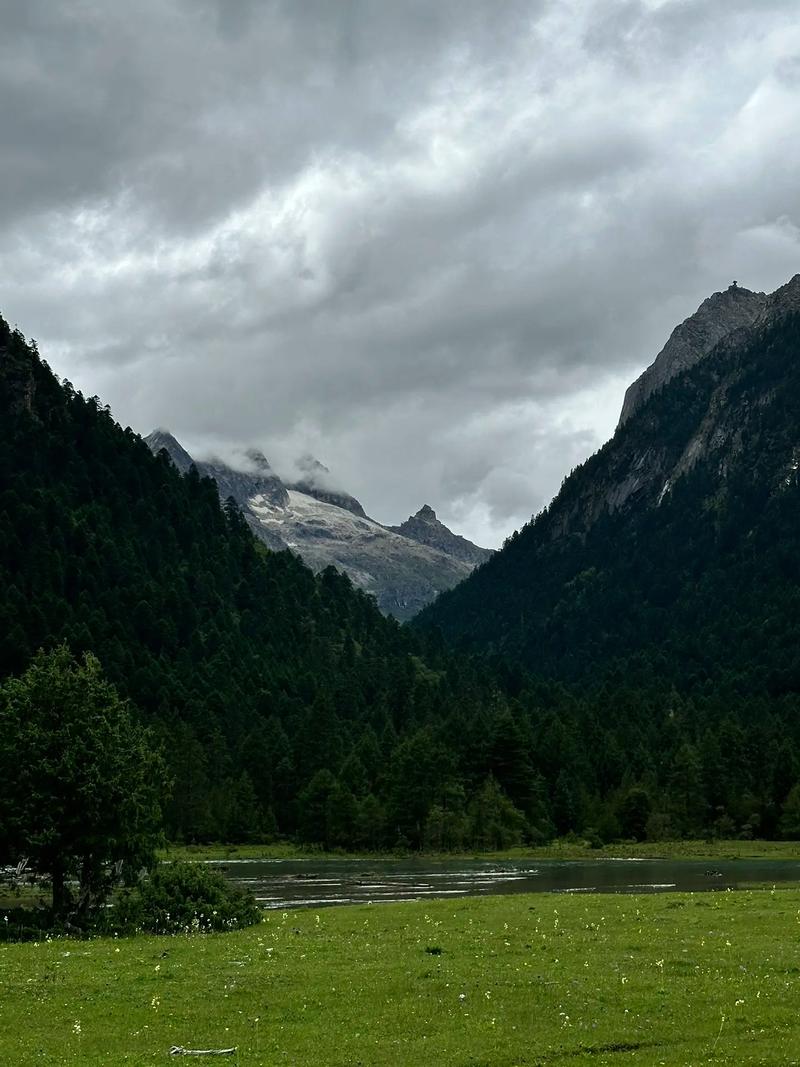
{"points": [[320, 882]]}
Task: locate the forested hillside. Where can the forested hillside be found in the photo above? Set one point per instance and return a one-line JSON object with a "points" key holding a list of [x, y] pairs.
{"points": [[663, 585], [286, 704], [256, 674]]}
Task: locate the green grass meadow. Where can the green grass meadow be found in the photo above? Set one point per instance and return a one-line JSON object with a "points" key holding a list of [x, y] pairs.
{"points": [[537, 979]]}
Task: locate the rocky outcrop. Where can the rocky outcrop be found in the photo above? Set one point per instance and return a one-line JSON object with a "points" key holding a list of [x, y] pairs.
{"points": [[243, 485], [403, 567], [163, 441], [716, 318], [426, 529]]}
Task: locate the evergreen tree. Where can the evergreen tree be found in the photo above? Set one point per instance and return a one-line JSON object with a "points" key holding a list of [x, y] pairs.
{"points": [[80, 780], [494, 822]]}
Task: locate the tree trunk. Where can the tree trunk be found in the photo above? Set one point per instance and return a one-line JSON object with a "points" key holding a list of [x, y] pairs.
{"points": [[87, 894], [60, 895]]}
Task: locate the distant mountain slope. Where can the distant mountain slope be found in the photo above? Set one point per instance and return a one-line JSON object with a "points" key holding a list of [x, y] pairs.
{"points": [[677, 546], [404, 567]]}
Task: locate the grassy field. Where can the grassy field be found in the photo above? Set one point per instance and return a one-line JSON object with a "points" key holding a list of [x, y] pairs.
{"points": [[567, 850], [500, 981]]}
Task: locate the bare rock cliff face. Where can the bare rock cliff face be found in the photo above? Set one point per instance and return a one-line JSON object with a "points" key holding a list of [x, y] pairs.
{"points": [[716, 318]]}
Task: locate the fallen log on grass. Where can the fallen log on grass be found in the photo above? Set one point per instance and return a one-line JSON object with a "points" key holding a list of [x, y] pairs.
{"points": [[179, 1050]]}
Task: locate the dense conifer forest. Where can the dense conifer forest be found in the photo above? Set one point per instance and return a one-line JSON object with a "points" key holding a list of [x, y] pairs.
{"points": [[286, 705]]}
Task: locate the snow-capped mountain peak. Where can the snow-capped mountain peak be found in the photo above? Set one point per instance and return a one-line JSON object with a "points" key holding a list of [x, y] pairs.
{"points": [[405, 567]]}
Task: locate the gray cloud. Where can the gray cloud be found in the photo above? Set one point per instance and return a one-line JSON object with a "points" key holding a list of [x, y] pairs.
{"points": [[428, 243]]}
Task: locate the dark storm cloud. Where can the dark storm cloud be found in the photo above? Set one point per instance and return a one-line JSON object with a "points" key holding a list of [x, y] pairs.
{"points": [[430, 243]]}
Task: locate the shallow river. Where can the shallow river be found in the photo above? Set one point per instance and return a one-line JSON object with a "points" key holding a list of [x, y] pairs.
{"points": [[320, 882]]}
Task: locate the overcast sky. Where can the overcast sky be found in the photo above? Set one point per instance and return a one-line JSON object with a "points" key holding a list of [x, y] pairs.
{"points": [[430, 241]]}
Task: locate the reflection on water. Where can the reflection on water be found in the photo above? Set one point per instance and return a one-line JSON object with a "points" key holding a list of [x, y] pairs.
{"points": [[322, 882]]}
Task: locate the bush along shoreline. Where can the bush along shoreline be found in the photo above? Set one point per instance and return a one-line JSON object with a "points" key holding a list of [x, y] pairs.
{"points": [[174, 898]]}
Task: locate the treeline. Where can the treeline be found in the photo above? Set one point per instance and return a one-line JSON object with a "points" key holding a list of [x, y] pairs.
{"points": [[286, 705], [613, 764]]}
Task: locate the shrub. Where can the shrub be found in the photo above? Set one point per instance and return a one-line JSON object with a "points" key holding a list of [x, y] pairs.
{"points": [[24, 924], [184, 898]]}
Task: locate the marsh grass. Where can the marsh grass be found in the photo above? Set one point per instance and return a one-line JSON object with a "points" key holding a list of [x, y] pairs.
{"points": [[666, 979], [561, 849]]}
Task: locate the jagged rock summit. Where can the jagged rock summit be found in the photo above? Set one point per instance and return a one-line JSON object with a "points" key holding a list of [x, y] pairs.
{"points": [[426, 529], [717, 317], [162, 439], [405, 567]]}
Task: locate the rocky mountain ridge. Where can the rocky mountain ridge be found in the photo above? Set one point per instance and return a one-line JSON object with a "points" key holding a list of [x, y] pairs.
{"points": [[405, 567], [642, 466], [717, 317], [703, 471], [638, 467]]}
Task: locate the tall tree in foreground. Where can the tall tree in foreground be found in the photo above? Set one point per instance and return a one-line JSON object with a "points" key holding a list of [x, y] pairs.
{"points": [[79, 781]]}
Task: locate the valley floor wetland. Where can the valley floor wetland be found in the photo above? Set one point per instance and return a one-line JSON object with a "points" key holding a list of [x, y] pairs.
{"points": [[486, 981], [324, 882]]}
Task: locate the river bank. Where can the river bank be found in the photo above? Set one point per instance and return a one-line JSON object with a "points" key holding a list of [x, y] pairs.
{"points": [[557, 850]]}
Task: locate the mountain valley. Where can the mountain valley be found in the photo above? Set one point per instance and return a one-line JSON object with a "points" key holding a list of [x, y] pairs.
{"points": [[626, 665]]}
